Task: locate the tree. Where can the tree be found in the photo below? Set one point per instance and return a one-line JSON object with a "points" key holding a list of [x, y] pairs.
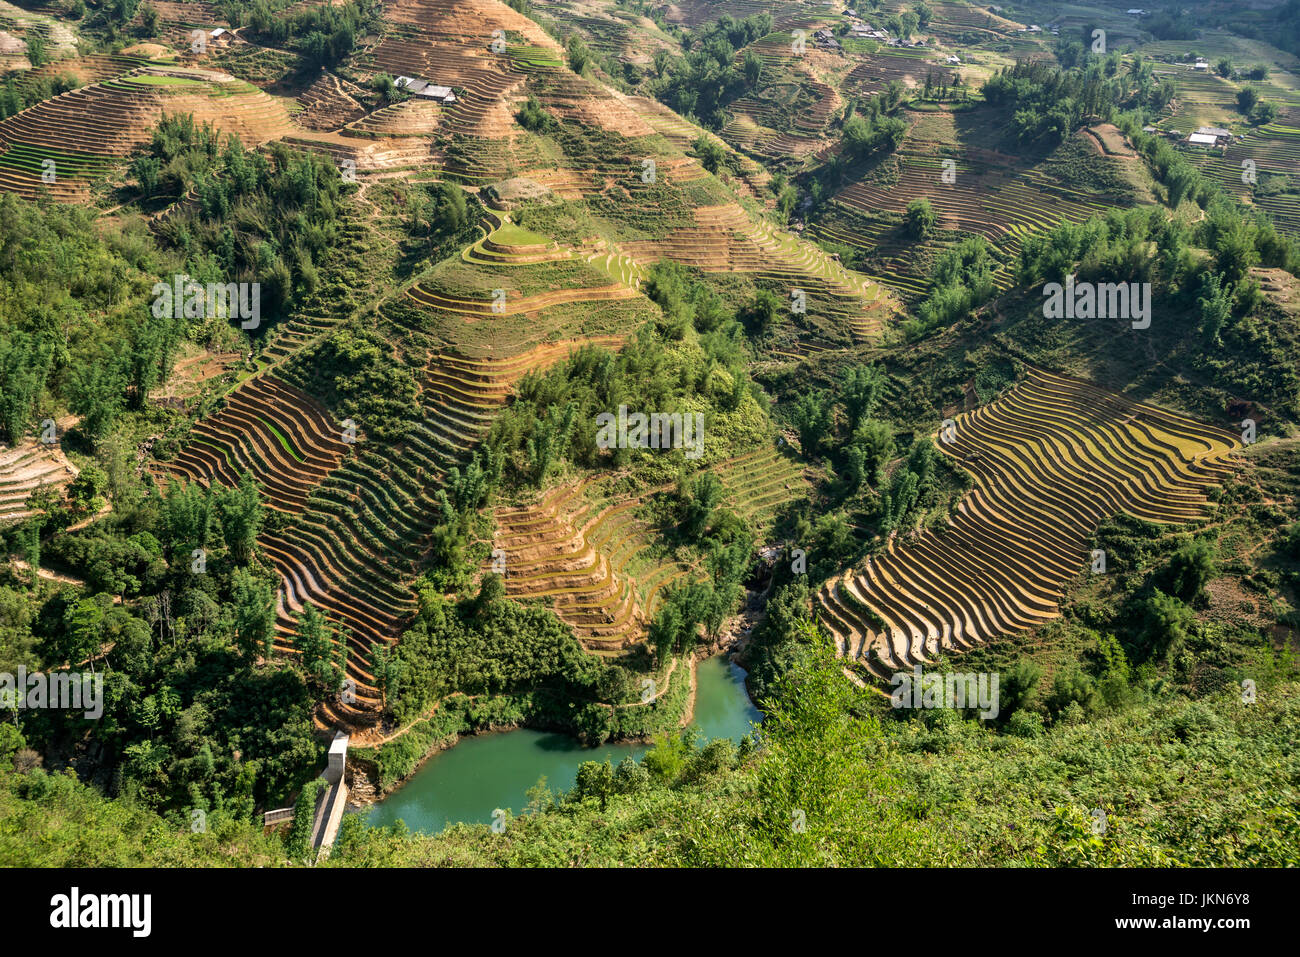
{"points": [[98, 394], [1247, 100], [753, 68], [145, 169], [629, 777], [1216, 308], [1072, 686], [579, 53], [254, 614], [382, 83], [811, 415], [664, 630], [240, 510], [761, 312], [532, 117], [25, 363], [449, 210], [490, 590], [86, 493], [698, 502], [186, 521], [36, 50], [864, 137], [1163, 621], [860, 391], [920, 218], [83, 633], [867, 454], [785, 202], [1189, 570], [319, 652], [149, 21], [1235, 248], [709, 152], [1017, 688], [595, 780], [386, 668]]}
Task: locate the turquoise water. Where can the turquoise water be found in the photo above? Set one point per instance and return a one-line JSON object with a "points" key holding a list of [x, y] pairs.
{"points": [[488, 771]]}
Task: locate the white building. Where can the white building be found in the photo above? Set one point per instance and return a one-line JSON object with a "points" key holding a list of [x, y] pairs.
{"points": [[418, 87]]}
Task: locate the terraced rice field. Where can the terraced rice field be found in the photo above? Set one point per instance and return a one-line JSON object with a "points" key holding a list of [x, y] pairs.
{"points": [[577, 552], [1275, 151], [279, 434], [725, 240], [759, 482], [964, 18], [1051, 459], [450, 45], [24, 469], [360, 516], [877, 70], [86, 130], [990, 193], [785, 122], [589, 554], [695, 12], [94, 68]]}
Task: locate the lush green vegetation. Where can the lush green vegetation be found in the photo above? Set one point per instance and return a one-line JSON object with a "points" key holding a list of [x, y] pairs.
{"points": [[862, 790], [71, 297], [177, 614], [256, 217], [817, 451], [705, 80]]}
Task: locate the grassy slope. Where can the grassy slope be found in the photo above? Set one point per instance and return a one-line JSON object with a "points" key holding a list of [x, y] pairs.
{"points": [[1182, 783], [55, 821]]}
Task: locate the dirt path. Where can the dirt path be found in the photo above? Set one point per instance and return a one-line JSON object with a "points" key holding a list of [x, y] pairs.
{"points": [[688, 713], [53, 576]]}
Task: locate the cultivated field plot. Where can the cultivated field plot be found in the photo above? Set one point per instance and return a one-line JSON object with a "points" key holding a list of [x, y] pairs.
{"points": [[279, 434], [585, 555], [26, 468], [594, 560], [1051, 459], [758, 483], [77, 136], [963, 19], [359, 541], [1274, 151], [785, 120], [692, 13], [971, 187]]}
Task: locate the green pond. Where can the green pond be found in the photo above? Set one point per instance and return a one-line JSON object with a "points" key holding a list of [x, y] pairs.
{"points": [[483, 772]]}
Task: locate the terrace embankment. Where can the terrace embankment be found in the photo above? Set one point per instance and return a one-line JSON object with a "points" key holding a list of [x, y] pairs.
{"points": [[1051, 459]]}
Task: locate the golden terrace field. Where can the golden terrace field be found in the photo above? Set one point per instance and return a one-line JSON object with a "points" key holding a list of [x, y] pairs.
{"points": [[1050, 459]]}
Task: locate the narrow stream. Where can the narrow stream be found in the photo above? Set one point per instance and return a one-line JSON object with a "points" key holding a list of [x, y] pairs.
{"points": [[488, 771]]}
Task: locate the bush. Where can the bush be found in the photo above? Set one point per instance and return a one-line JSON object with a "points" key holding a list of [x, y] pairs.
{"points": [[298, 844], [1025, 724], [919, 218], [630, 777]]}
